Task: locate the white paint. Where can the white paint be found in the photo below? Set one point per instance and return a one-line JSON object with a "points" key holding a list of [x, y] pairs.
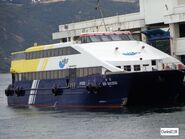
{"points": [[104, 54], [32, 92]]}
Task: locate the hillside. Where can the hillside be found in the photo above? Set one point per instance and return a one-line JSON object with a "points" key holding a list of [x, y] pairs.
{"points": [[22, 25]]}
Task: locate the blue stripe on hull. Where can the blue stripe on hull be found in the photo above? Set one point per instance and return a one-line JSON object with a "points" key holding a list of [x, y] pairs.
{"points": [[137, 87]]}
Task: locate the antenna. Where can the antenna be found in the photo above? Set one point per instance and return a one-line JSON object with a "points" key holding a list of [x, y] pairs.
{"points": [[98, 7]]}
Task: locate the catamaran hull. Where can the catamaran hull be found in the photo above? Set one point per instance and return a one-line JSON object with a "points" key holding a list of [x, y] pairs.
{"points": [[99, 91]]}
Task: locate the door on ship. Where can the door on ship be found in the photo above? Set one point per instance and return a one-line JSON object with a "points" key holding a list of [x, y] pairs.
{"points": [[72, 77]]}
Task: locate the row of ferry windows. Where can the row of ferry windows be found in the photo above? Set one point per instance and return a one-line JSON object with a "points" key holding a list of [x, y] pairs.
{"points": [[56, 74], [45, 53], [129, 68], [106, 37], [137, 67]]}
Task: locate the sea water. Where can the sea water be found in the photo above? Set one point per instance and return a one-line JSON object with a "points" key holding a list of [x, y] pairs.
{"points": [[128, 123]]}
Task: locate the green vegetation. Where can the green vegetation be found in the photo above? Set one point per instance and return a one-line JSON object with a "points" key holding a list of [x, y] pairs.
{"points": [[23, 25]]}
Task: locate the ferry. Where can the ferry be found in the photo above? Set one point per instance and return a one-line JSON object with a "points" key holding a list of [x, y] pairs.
{"points": [[98, 70]]}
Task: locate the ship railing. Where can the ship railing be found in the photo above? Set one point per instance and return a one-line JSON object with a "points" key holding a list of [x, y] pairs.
{"points": [[173, 66]]}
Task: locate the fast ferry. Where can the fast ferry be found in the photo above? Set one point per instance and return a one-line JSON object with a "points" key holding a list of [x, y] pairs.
{"points": [[99, 70]]}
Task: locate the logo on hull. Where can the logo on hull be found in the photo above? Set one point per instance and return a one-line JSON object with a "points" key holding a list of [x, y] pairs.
{"points": [[131, 53], [63, 62]]}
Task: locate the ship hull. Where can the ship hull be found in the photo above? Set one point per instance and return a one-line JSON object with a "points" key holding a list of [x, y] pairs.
{"points": [[100, 91]]}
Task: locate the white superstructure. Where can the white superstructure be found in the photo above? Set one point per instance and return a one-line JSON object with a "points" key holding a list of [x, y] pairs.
{"points": [[115, 56]]}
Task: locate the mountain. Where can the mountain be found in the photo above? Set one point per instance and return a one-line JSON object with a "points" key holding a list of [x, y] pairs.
{"points": [[21, 25]]}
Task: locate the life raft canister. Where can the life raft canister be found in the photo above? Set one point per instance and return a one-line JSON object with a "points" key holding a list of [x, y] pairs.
{"points": [[56, 91], [19, 91], [10, 90]]}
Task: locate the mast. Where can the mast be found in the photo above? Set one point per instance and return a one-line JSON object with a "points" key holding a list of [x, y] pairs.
{"points": [[98, 7]]}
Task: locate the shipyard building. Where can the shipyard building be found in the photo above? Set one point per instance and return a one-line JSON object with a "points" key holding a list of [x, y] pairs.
{"points": [[160, 23]]}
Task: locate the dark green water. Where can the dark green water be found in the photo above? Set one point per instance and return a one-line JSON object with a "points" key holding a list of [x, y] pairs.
{"points": [[132, 123]]}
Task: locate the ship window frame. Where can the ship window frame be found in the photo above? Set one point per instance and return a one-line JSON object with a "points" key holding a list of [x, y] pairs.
{"points": [[85, 72], [95, 38], [18, 56], [116, 37], [137, 67], [90, 71], [81, 72], [127, 68], [154, 62], [55, 74], [105, 38]]}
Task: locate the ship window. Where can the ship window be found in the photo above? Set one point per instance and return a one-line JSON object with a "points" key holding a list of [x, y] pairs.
{"points": [[23, 76], [153, 62], [37, 54], [51, 74], [88, 39], [105, 38], [28, 76], [78, 72], [145, 65], [45, 53], [44, 74], [85, 39], [56, 52], [37, 75], [85, 72], [69, 50], [48, 75], [34, 55], [55, 74], [124, 37], [41, 54], [95, 38], [127, 68], [27, 55], [33, 76], [66, 73], [182, 29], [16, 77], [130, 37], [18, 56], [63, 73], [81, 72], [90, 71], [31, 55], [58, 74], [64, 51], [60, 52], [118, 67], [137, 68], [51, 53], [115, 37], [94, 70]]}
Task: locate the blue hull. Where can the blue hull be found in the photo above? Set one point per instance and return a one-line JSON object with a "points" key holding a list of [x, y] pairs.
{"points": [[100, 91]]}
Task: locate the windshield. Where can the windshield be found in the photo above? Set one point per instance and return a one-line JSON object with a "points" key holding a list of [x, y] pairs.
{"points": [[106, 37]]}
